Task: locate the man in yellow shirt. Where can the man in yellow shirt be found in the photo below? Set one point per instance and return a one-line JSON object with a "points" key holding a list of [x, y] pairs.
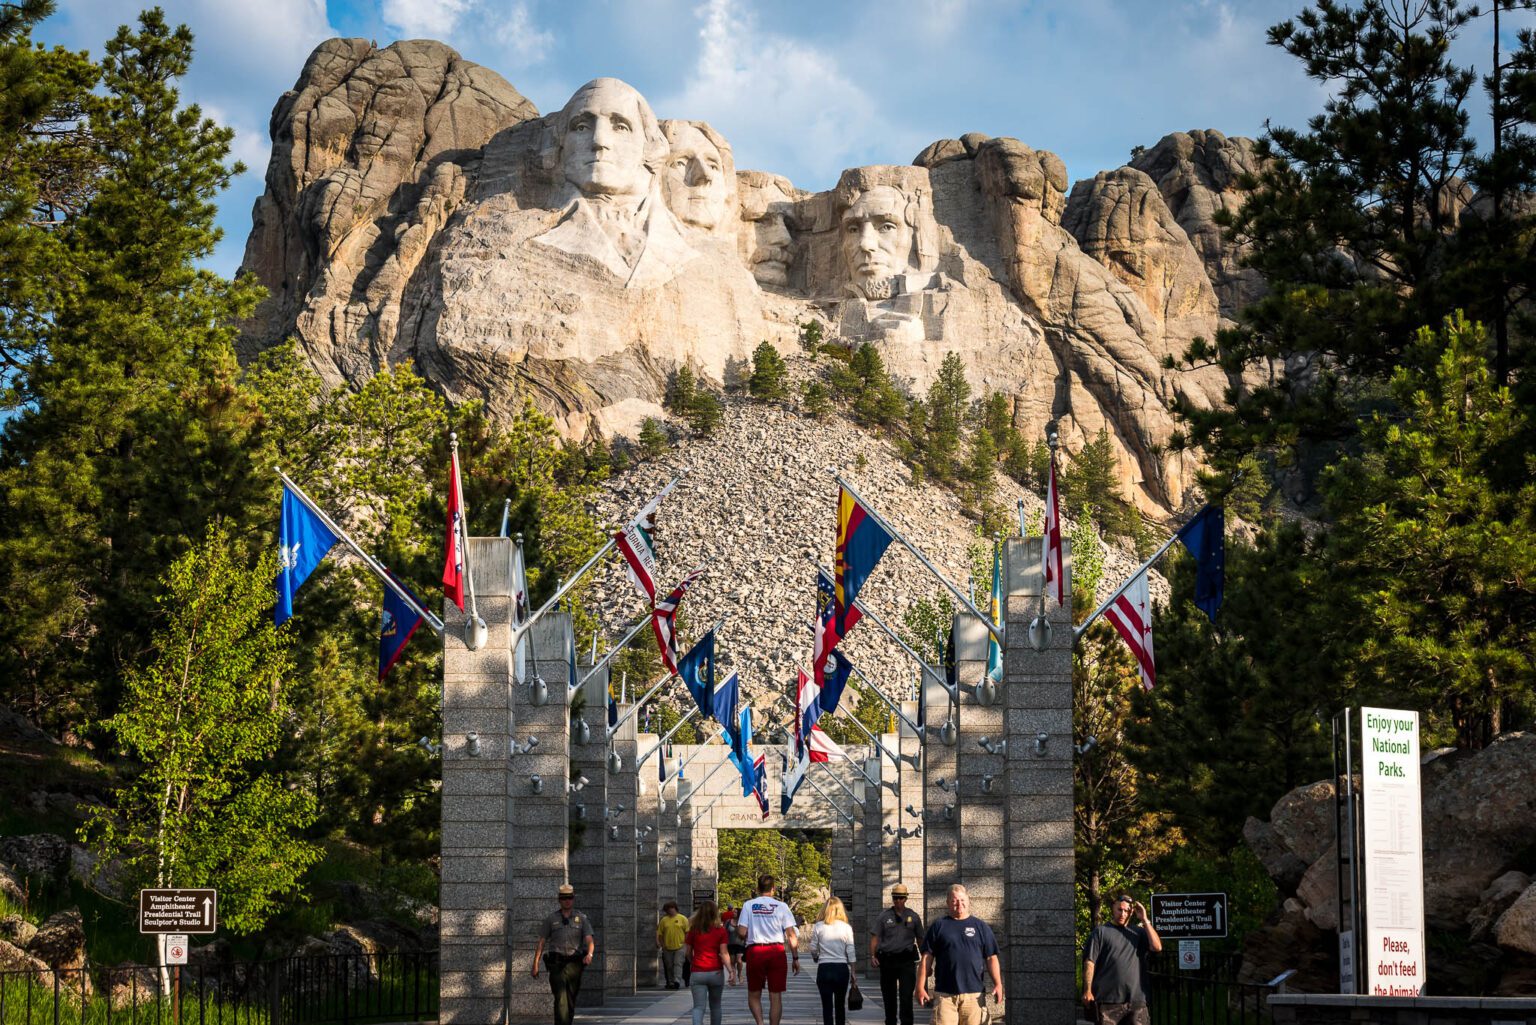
{"points": [[671, 931]]}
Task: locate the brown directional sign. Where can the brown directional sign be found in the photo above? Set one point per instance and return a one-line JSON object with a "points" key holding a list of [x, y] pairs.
{"points": [[178, 911], [1190, 916]]}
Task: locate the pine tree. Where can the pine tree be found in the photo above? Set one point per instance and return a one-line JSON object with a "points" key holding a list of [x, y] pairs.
{"points": [[706, 414], [768, 373], [683, 393], [811, 337], [980, 466], [653, 440], [949, 399], [817, 403]]}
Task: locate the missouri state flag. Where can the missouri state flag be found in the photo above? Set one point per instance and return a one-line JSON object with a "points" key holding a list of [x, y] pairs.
{"points": [[303, 539], [861, 541]]}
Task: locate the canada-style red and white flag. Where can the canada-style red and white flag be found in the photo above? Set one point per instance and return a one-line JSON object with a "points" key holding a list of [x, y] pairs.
{"points": [[1131, 615], [1054, 575], [453, 559]]}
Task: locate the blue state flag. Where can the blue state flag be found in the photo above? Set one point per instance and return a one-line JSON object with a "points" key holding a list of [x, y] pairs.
{"points": [[723, 703], [400, 622], [741, 754], [697, 670], [303, 540], [1205, 537], [994, 649], [835, 680]]}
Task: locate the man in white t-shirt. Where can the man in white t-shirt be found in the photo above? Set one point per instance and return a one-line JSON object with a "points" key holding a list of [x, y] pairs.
{"points": [[768, 926]]}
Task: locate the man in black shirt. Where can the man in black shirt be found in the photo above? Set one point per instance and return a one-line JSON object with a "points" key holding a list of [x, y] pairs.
{"points": [[958, 948], [1112, 959], [893, 948]]}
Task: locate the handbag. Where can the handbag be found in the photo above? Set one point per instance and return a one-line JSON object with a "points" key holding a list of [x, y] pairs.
{"points": [[855, 998]]}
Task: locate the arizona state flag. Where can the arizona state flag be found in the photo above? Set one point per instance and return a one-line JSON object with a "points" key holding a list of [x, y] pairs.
{"points": [[861, 541]]}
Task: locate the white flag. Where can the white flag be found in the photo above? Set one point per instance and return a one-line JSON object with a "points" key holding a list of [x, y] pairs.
{"points": [[1131, 615], [519, 613]]}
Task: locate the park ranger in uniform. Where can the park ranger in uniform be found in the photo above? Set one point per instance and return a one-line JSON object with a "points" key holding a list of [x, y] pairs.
{"points": [[568, 934], [893, 948]]}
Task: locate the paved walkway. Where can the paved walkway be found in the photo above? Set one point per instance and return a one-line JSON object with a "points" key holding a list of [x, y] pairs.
{"points": [[802, 1006]]}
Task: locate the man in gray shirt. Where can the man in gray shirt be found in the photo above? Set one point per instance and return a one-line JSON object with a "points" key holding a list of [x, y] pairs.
{"points": [[893, 943], [1112, 962]]}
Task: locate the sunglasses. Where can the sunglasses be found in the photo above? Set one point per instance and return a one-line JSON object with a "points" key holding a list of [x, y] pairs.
{"points": [[569, 896]]}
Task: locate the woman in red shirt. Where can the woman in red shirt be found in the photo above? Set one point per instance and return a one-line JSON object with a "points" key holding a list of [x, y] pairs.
{"points": [[709, 961]]}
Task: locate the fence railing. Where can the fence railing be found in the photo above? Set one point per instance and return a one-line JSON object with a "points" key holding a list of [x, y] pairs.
{"points": [[328, 990], [1208, 995]]}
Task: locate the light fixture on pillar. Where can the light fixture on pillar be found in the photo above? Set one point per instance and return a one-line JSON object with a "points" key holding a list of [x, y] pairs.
{"points": [[948, 786], [986, 693], [1086, 746], [1039, 633], [472, 744], [614, 812], [578, 783], [429, 747], [525, 745], [914, 812], [647, 831], [580, 811], [615, 762], [1040, 739], [991, 747], [890, 830], [949, 813], [948, 733], [536, 784], [538, 692], [583, 732], [986, 784], [613, 832]]}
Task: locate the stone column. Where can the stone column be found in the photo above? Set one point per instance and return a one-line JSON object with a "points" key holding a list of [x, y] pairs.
{"points": [[983, 781], [682, 850], [941, 790], [536, 851], [1041, 956], [647, 902], [618, 936], [477, 806], [908, 747], [589, 827]]}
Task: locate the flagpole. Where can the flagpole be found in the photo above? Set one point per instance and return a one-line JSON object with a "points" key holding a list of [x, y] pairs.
{"points": [[857, 768], [506, 512], [895, 759], [892, 705], [1022, 531], [700, 750], [475, 628], [996, 631], [668, 736], [831, 803], [571, 581], [864, 610], [1079, 630], [611, 654], [373, 564]]}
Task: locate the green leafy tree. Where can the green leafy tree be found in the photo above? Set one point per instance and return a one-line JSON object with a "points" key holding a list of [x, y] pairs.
{"points": [[798, 859], [201, 718], [1436, 552], [128, 431], [768, 373]]}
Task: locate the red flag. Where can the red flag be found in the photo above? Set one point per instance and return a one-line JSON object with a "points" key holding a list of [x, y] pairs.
{"points": [[1131, 615], [1052, 546], [453, 559]]}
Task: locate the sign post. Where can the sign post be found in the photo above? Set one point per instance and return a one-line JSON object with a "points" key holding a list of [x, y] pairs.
{"points": [[1392, 824], [1190, 916]]}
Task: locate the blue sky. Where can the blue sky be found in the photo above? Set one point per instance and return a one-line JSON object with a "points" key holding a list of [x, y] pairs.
{"points": [[802, 89]]}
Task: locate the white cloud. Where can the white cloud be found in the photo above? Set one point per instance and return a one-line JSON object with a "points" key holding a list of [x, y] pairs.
{"points": [[780, 101], [424, 19], [524, 40]]}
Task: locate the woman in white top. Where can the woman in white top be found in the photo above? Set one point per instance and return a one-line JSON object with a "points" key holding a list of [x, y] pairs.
{"points": [[833, 951]]}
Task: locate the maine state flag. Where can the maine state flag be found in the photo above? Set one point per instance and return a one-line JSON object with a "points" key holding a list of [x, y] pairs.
{"points": [[303, 540]]}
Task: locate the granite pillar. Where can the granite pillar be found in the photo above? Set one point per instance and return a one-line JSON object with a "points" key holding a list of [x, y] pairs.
{"points": [[647, 902], [588, 861], [619, 914]]}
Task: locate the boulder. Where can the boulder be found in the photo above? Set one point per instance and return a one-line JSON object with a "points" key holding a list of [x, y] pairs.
{"points": [[1319, 891], [106, 879], [358, 967], [1478, 819], [17, 930], [1516, 927], [37, 854], [1495, 900], [1518, 978], [12, 888], [60, 941], [15, 959], [129, 985], [1304, 820], [1282, 864], [1289, 941], [15, 726]]}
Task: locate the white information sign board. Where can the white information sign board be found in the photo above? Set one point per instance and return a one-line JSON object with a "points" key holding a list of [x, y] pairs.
{"points": [[1393, 855]]}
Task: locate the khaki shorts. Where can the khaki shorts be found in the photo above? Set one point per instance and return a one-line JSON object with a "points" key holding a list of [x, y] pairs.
{"points": [[957, 1009]]}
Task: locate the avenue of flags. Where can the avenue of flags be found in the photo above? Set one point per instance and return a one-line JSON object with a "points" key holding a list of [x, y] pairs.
{"points": [[306, 536]]}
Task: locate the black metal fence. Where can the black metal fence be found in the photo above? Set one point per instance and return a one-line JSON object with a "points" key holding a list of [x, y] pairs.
{"points": [[361, 988], [1208, 995]]}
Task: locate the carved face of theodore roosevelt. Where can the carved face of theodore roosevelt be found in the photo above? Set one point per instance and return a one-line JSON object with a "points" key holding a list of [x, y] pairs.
{"points": [[877, 240], [606, 128]]}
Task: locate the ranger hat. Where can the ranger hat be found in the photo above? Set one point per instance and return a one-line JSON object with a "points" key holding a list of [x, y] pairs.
{"points": [[898, 890], [567, 890]]}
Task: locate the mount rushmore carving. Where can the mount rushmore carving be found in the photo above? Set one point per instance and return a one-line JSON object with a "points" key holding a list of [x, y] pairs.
{"points": [[418, 208]]}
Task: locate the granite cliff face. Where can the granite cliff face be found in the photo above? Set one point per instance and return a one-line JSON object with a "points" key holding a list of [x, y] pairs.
{"points": [[418, 207]]}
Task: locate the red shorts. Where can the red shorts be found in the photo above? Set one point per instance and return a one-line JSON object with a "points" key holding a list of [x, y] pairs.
{"points": [[765, 963]]}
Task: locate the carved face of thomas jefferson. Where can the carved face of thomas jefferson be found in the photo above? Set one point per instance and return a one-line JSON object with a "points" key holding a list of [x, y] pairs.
{"points": [[877, 240], [604, 150], [694, 179]]}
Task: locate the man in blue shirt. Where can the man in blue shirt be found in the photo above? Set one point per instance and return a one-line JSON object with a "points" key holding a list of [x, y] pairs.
{"points": [[962, 951]]}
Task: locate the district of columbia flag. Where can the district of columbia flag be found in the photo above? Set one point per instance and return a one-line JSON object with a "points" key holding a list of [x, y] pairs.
{"points": [[399, 623], [520, 613], [664, 623], [453, 555], [861, 541], [994, 649], [1131, 615], [1055, 574], [303, 539], [1205, 537], [637, 543]]}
